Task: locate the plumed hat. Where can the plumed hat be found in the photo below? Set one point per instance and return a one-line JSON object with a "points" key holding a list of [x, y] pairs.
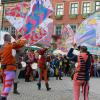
{"points": [[42, 51]]}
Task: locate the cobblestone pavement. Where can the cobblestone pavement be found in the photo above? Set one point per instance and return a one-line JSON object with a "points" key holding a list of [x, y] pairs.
{"points": [[61, 90]]}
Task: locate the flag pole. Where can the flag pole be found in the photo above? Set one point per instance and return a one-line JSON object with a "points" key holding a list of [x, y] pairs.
{"points": [[2, 23]]}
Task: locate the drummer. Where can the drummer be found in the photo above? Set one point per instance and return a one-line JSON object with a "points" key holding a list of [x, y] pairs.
{"points": [[29, 59], [28, 72], [34, 65]]}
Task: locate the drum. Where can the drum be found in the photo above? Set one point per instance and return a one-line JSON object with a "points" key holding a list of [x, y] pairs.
{"points": [[34, 66], [23, 64]]}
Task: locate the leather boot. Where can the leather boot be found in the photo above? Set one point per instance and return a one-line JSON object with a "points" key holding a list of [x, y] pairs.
{"points": [[15, 89], [47, 87], [39, 86]]}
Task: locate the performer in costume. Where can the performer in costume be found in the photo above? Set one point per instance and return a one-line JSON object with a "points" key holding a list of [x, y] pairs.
{"points": [[42, 69], [82, 74], [8, 63]]}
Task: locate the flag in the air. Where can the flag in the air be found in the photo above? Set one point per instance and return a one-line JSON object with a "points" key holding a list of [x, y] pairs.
{"points": [[36, 16], [16, 14], [37, 35]]}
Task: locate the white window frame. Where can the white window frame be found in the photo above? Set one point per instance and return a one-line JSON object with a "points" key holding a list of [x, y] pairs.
{"points": [[6, 28], [71, 8], [12, 30], [55, 28], [97, 5], [75, 25], [56, 8], [83, 7]]}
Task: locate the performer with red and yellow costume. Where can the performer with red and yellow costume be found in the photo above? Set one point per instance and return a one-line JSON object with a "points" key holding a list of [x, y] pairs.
{"points": [[42, 69], [8, 63]]}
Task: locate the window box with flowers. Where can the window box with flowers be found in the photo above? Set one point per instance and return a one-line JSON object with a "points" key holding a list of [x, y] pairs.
{"points": [[73, 16], [58, 17], [85, 15]]}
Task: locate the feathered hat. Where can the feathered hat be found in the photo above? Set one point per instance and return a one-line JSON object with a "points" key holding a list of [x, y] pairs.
{"points": [[42, 51]]}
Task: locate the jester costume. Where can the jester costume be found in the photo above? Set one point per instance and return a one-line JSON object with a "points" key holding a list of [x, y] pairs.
{"points": [[42, 69]]}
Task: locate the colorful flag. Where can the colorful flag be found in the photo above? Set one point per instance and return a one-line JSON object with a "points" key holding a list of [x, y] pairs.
{"points": [[37, 35], [88, 30], [36, 16], [47, 4], [98, 33], [46, 40], [67, 39], [68, 34], [16, 15], [48, 26]]}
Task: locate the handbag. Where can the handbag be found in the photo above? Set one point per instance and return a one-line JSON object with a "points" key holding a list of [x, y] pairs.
{"points": [[34, 66]]}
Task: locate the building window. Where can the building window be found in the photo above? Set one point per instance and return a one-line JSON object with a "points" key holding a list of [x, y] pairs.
{"points": [[73, 27], [6, 29], [74, 8], [59, 9], [13, 30], [86, 7], [97, 5], [58, 29]]}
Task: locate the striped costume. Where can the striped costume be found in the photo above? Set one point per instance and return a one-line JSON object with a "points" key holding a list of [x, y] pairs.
{"points": [[82, 76]]}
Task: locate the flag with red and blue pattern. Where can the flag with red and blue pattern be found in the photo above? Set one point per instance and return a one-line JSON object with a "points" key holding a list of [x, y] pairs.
{"points": [[37, 15]]}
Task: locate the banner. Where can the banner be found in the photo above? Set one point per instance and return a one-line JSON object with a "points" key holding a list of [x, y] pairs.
{"points": [[37, 14], [47, 4], [48, 26], [43, 31], [88, 31], [16, 15], [47, 39], [37, 35], [68, 33], [98, 33], [26, 18], [47, 23], [67, 38]]}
